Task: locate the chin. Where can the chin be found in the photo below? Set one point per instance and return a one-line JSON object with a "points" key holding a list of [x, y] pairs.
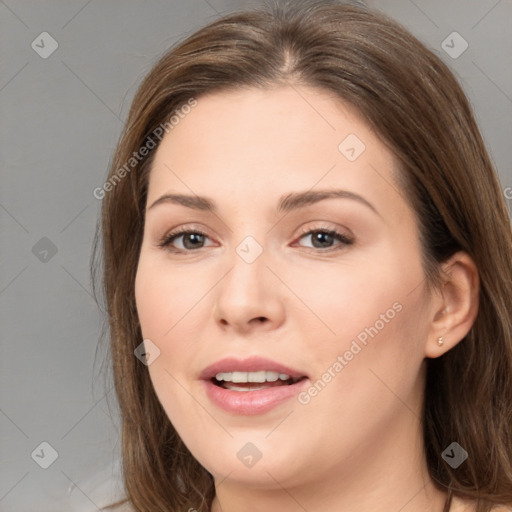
{"points": [[255, 463]]}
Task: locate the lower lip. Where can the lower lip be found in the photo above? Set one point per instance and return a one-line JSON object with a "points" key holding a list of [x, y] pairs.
{"points": [[251, 403]]}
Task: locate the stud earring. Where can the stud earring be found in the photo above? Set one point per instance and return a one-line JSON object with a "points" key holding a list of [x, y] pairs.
{"points": [[440, 341]]}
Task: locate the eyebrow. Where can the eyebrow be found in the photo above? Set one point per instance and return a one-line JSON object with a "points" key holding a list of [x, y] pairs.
{"points": [[286, 203]]}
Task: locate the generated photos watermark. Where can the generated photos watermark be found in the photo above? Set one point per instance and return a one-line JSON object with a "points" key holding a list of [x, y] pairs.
{"points": [[342, 361], [137, 156]]}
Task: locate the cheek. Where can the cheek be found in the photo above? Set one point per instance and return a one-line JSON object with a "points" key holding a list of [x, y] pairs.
{"points": [[377, 317], [164, 298], [167, 306], [365, 375], [145, 301], [358, 298]]}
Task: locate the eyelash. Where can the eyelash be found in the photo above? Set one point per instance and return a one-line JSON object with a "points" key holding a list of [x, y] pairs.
{"points": [[166, 242]]}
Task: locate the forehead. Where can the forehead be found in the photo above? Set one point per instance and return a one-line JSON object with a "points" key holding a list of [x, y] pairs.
{"points": [[258, 141], [282, 119]]}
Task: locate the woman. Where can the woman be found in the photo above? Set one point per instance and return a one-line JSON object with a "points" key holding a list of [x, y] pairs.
{"points": [[307, 262]]}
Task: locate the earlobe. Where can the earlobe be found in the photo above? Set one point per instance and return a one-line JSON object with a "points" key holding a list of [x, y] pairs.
{"points": [[455, 306]]}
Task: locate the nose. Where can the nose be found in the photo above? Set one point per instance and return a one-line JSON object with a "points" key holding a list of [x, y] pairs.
{"points": [[250, 296]]}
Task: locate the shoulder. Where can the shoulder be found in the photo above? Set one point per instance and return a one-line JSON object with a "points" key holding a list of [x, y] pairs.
{"points": [[463, 505], [122, 507]]}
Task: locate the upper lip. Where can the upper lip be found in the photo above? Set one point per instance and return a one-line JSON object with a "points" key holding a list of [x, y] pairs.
{"points": [[251, 364]]}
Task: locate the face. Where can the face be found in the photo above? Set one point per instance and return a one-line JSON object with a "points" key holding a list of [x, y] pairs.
{"points": [[328, 289]]}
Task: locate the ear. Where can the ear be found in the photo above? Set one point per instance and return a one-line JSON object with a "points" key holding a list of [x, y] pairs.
{"points": [[454, 307]]}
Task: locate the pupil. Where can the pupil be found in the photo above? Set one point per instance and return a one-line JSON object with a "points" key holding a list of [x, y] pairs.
{"points": [[319, 236], [191, 236]]}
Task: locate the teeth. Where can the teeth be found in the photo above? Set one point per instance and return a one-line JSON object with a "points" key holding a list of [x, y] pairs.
{"points": [[261, 376], [255, 377]]}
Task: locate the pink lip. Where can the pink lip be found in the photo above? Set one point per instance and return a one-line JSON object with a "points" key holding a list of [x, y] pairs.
{"points": [[250, 403]]}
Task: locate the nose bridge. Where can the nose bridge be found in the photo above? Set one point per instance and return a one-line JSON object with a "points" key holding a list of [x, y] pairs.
{"points": [[246, 293], [248, 266]]}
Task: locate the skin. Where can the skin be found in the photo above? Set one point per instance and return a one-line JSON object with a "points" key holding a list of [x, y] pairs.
{"points": [[357, 445]]}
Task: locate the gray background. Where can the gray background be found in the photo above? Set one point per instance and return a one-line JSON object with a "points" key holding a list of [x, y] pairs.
{"points": [[60, 120]]}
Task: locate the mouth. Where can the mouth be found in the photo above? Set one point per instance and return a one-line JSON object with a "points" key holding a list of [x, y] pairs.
{"points": [[251, 386], [253, 381]]}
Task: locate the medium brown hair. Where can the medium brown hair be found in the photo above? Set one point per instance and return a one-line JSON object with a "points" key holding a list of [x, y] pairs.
{"points": [[409, 97]]}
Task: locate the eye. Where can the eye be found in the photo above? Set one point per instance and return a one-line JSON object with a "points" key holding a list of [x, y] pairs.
{"points": [[192, 240], [324, 238]]}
